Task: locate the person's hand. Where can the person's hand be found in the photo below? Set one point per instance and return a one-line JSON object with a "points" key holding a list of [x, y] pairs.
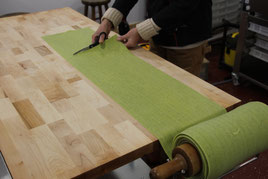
{"points": [[106, 27], [131, 39]]}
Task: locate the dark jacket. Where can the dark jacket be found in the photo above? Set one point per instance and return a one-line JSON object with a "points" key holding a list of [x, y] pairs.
{"points": [[182, 22]]}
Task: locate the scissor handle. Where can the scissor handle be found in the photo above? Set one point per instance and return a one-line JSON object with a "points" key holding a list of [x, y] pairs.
{"points": [[97, 38], [105, 35]]}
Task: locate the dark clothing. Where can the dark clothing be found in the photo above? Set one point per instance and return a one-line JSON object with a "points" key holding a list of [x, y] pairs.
{"points": [[188, 59], [182, 22]]}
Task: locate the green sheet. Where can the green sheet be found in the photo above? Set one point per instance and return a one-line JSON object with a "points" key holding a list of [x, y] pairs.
{"points": [[228, 140], [160, 103]]}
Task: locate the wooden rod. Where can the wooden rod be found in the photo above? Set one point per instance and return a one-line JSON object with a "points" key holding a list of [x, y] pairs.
{"points": [[86, 10], [100, 12], [93, 13], [167, 169], [185, 157]]}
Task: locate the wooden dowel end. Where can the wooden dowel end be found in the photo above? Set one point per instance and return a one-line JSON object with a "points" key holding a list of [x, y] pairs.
{"points": [[167, 169], [185, 157]]}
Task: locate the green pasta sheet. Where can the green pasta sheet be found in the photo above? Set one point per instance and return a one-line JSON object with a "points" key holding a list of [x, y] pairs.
{"points": [[228, 140], [159, 102]]}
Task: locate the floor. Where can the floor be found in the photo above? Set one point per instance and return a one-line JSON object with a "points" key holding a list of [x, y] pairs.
{"points": [[137, 169], [247, 92], [4, 173]]}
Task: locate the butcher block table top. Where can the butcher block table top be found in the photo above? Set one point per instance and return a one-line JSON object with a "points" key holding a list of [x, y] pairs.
{"points": [[55, 123]]}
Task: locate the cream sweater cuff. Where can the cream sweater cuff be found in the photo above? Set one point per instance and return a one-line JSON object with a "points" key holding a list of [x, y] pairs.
{"points": [[113, 15], [147, 29]]}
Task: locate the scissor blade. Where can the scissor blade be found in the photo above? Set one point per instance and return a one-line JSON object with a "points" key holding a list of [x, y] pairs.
{"points": [[83, 49]]}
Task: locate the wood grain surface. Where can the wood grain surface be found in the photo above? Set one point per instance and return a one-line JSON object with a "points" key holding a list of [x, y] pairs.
{"points": [[55, 123]]}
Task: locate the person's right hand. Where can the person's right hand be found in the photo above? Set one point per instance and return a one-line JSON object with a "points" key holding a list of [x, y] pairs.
{"points": [[106, 27]]}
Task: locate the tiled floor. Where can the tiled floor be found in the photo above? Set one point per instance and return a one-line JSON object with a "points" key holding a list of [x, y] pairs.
{"points": [[246, 92]]}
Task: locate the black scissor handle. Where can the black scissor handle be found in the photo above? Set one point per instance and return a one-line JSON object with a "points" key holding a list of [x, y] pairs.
{"points": [[96, 42], [103, 33], [97, 38]]}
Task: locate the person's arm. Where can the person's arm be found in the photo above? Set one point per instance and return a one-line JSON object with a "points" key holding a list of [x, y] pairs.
{"points": [[168, 18], [120, 9], [113, 16], [143, 32]]}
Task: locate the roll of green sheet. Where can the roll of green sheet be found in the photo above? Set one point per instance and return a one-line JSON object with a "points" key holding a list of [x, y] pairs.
{"points": [[227, 140]]}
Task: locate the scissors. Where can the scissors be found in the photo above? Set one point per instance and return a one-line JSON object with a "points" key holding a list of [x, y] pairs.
{"points": [[96, 42]]}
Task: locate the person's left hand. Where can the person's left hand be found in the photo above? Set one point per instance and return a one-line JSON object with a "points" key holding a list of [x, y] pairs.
{"points": [[131, 39]]}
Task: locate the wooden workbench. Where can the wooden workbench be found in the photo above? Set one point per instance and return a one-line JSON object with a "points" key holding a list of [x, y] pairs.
{"points": [[55, 123]]}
